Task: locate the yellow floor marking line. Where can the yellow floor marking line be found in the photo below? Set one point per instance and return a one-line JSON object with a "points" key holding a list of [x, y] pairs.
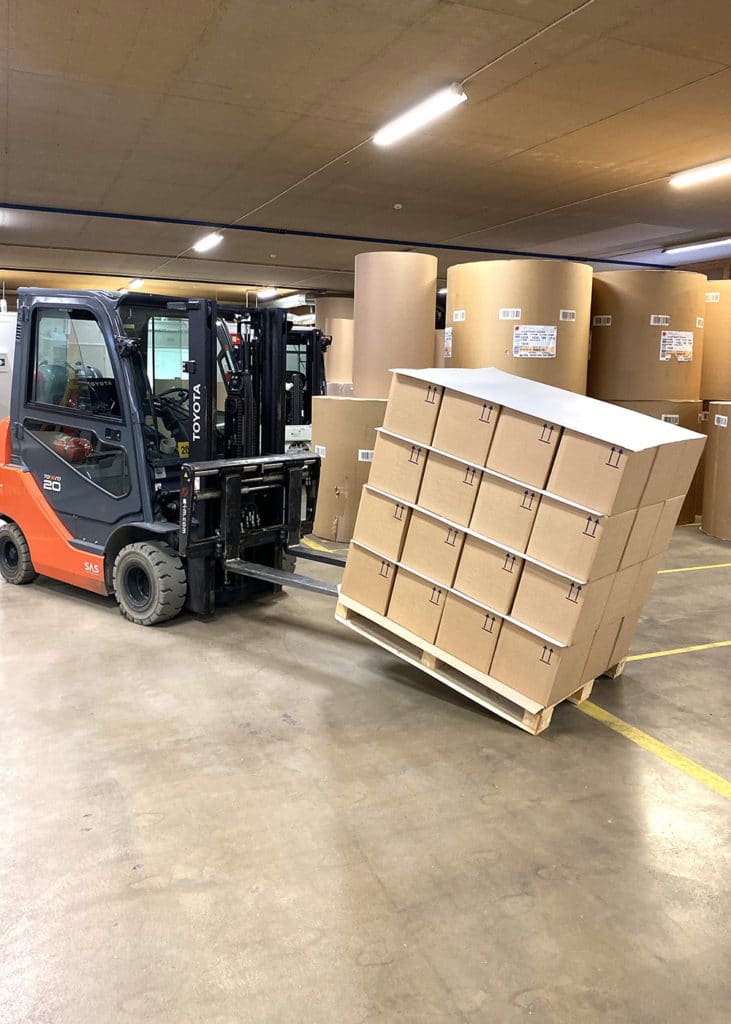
{"points": [[679, 650], [696, 568], [318, 547], [684, 764]]}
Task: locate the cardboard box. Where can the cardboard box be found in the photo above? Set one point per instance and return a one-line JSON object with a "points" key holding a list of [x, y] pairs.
{"points": [[398, 467], [542, 671], [567, 611], [598, 475], [466, 426], [625, 637], [578, 543], [646, 580], [344, 435], [381, 524], [488, 574], [666, 526], [449, 488], [417, 605], [600, 652], [469, 632], [432, 548], [623, 594], [413, 408], [368, 579], [505, 512], [523, 447], [643, 532], [672, 473]]}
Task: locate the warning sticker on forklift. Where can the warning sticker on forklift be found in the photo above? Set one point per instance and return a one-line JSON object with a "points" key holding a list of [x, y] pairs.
{"points": [[533, 341], [459, 315], [447, 342], [721, 421], [320, 450], [676, 344]]}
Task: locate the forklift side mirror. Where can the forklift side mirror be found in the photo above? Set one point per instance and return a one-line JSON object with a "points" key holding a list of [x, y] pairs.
{"points": [[126, 346]]}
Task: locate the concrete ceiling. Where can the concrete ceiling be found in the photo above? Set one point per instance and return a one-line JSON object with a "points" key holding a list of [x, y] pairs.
{"points": [[260, 113]]}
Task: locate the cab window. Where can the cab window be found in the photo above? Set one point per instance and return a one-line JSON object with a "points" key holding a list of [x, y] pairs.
{"points": [[71, 366]]}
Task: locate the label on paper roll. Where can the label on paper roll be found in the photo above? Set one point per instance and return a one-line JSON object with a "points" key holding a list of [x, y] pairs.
{"points": [[601, 321], [320, 450], [534, 341], [447, 342], [365, 455], [668, 417], [700, 323], [721, 421], [713, 296], [509, 314], [567, 315], [459, 315], [659, 320], [676, 345]]}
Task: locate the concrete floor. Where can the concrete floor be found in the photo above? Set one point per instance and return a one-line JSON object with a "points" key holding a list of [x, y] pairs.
{"points": [[265, 819]]}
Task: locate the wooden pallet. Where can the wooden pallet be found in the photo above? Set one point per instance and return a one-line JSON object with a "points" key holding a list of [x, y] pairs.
{"points": [[489, 693], [616, 670]]}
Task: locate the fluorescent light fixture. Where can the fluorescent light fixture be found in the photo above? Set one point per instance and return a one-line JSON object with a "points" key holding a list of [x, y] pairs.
{"points": [[292, 301], [715, 243], [442, 291], [208, 242], [137, 283], [267, 293], [429, 109], [699, 175]]}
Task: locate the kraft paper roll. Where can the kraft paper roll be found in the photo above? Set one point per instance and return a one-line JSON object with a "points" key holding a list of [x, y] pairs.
{"points": [[333, 307], [716, 372], [717, 483], [439, 359], [395, 307], [339, 356], [647, 335], [527, 317]]}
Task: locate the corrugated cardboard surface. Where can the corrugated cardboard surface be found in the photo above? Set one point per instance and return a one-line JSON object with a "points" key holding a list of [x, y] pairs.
{"points": [[624, 637], [488, 574], [666, 524], [398, 467], [527, 292], [600, 652], [368, 579], [413, 408], [449, 488], [604, 477], [381, 524], [465, 426], [343, 427], [717, 484], [417, 605], [584, 546], [395, 299], [523, 447], [536, 668], [468, 632], [625, 356], [432, 548], [567, 611], [622, 594], [505, 512], [644, 529], [716, 375]]}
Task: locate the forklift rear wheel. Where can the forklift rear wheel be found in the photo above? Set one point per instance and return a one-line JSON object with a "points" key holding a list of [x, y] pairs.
{"points": [[149, 583], [15, 561]]}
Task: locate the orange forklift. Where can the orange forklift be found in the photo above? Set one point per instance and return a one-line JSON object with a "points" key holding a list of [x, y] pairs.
{"points": [[144, 453]]}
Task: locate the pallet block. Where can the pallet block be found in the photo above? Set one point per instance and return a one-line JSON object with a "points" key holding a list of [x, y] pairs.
{"points": [[489, 693]]}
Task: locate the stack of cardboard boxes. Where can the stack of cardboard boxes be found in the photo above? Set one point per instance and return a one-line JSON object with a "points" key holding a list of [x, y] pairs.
{"points": [[513, 529]]}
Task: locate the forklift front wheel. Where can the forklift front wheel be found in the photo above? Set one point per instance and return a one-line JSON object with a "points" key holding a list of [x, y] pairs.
{"points": [[15, 561], [149, 583]]}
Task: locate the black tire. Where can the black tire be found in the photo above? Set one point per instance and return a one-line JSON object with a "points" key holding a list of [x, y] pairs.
{"points": [[149, 583], [16, 565]]}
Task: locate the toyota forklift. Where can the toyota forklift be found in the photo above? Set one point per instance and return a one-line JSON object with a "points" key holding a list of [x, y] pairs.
{"points": [[144, 455]]}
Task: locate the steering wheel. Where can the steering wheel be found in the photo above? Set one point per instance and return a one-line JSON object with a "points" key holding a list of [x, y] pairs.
{"points": [[182, 394]]}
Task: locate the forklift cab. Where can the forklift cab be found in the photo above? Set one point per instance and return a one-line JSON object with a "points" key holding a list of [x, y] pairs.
{"points": [[117, 440]]}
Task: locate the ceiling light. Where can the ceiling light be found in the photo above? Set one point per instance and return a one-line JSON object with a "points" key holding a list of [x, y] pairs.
{"points": [[292, 301], [137, 283], [692, 246], [429, 109], [267, 293], [208, 241], [699, 175], [442, 291]]}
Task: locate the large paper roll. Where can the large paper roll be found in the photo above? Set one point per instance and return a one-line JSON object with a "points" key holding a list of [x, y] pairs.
{"points": [[717, 483], [647, 335], [339, 355], [332, 307], [395, 307], [716, 374], [527, 317]]}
